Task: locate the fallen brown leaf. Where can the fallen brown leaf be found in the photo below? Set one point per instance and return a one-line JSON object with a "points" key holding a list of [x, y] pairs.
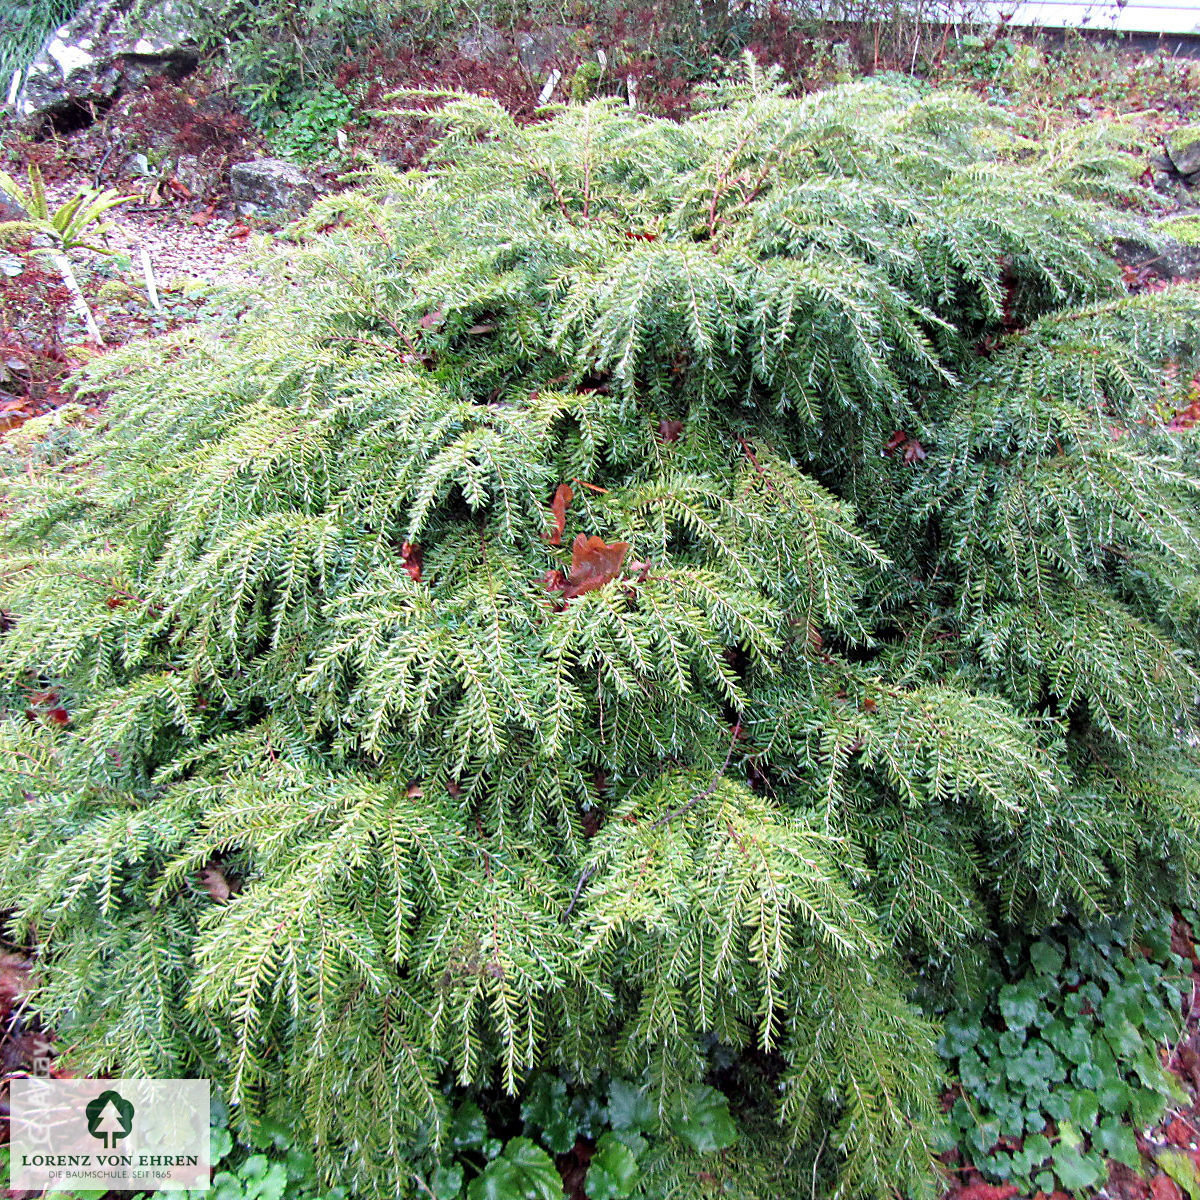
{"points": [[215, 882], [563, 495], [593, 564], [1163, 1187]]}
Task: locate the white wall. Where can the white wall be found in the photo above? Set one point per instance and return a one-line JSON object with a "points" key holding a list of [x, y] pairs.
{"points": [[1134, 16]]}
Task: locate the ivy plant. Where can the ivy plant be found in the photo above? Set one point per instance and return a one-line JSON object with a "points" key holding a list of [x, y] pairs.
{"points": [[1056, 1066]]}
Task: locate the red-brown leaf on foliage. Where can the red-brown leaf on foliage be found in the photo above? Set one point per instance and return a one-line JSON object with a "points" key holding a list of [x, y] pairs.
{"points": [[1182, 942], [1179, 1134], [1163, 1187], [1126, 1184], [895, 441], [1189, 414], [914, 451], [16, 412], [563, 495], [430, 319], [669, 431], [14, 980], [215, 882], [986, 1191], [593, 564], [59, 716], [410, 556]]}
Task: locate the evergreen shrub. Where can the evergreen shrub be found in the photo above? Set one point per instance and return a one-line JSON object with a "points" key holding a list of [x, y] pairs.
{"points": [[632, 600]]}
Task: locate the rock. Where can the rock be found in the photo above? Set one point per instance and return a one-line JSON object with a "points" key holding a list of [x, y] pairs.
{"points": [[486, 44], [1162, 256], [536, 50], [1186, 198], [196, 175], [107, 47], [1183, 145], [10, 210], [271, 185]]}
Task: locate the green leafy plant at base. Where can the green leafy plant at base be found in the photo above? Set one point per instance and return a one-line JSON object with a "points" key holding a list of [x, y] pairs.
{"points": [[308, 129], [634, 591], [984, 59], [474, 1162], [585, 80], [279, 54], [270, 1161], [1060, 1058]]}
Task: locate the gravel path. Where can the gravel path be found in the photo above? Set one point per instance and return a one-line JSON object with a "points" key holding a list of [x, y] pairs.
{"points": [[176, 246], [179, 240]]}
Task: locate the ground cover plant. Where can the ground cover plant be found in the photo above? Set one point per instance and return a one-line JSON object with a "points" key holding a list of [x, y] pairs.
{"points": [[1056, 1062], [624, 603]]}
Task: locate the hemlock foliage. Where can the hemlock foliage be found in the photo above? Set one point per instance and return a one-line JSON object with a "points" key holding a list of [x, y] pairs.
{"points": [[898, 655]]}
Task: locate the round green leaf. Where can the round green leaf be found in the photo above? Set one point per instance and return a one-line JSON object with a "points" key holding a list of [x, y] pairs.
{"points": [[1018, 1004], [548, 1109], [1115, 1139], [447, 1181], [469, 1128], [1047, 957], [1077, 1169], [613, 1170], [1085, 1108], [703, 1120], [630, 1107], [523, 1172]]}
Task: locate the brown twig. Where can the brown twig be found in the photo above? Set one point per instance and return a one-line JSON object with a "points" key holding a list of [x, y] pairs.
{"points": [[748, 450]]}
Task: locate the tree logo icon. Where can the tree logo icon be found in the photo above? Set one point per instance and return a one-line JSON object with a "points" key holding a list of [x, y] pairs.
{"points": [[109, 1118]]}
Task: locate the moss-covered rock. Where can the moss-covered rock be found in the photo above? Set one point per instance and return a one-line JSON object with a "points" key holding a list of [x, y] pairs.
{"points": [[1183, 145]]}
